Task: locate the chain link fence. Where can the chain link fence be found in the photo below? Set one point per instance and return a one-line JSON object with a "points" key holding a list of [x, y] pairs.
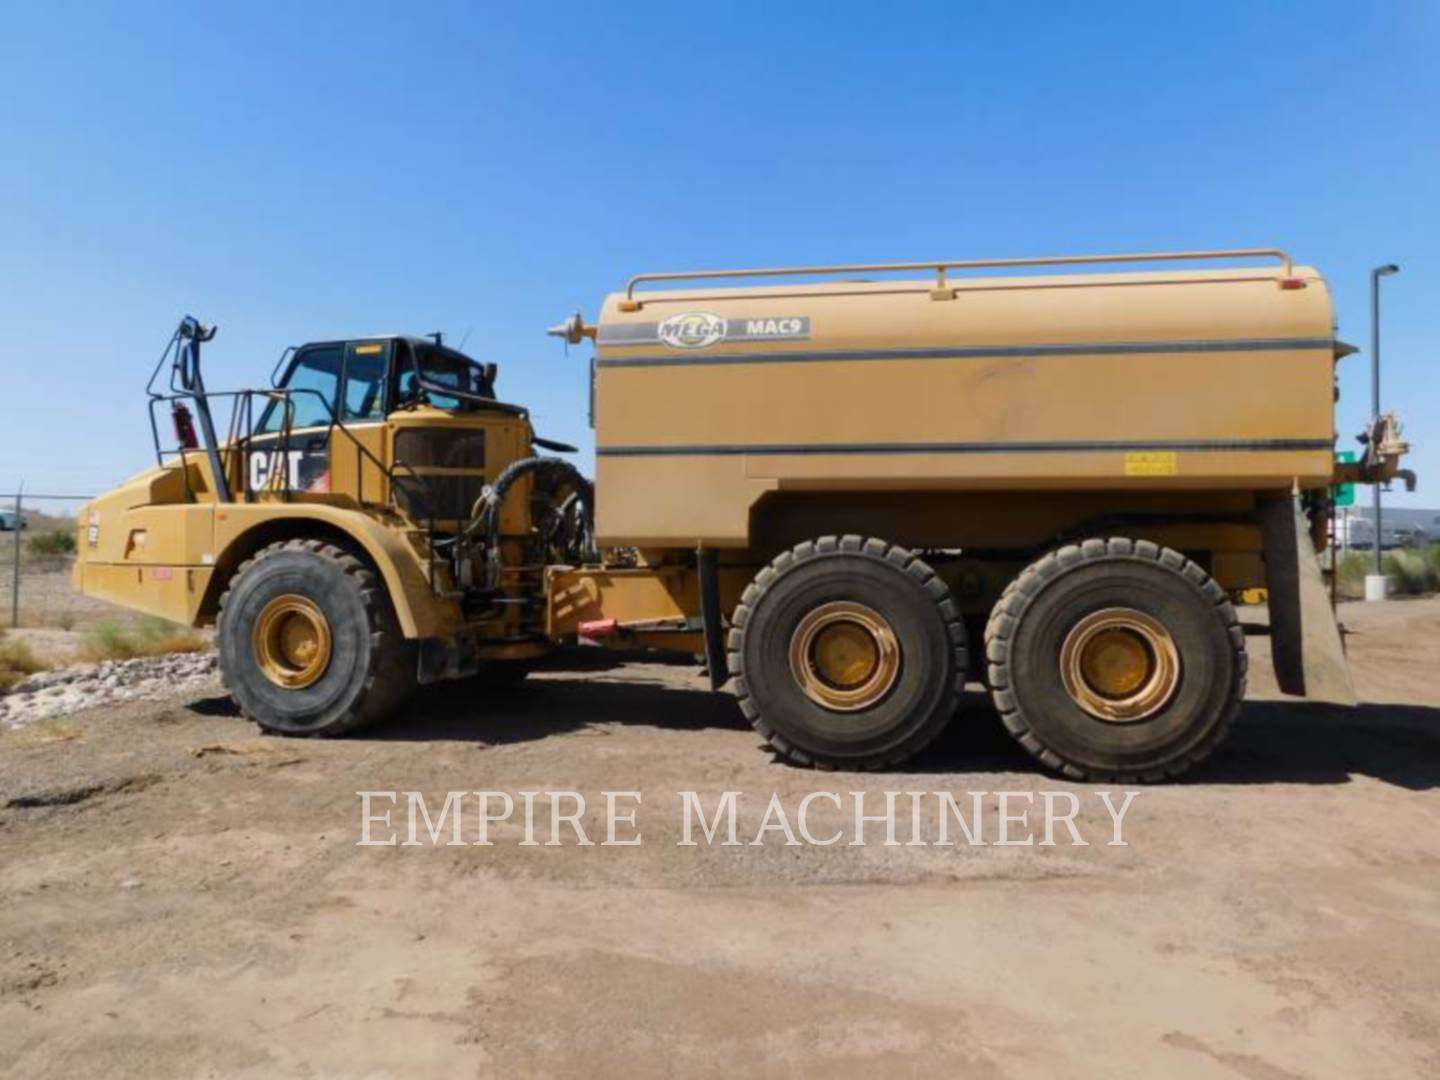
{"points": [[36, 556]]}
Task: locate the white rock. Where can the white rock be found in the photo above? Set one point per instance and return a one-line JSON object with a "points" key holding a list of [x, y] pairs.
{"points": [[56, 693]]}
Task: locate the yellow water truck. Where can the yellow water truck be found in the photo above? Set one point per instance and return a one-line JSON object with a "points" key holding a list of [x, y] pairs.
{"points": [[848, 489]]}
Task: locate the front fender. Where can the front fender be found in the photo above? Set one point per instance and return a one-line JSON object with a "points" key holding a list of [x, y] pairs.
{"points": [[243, 527]]}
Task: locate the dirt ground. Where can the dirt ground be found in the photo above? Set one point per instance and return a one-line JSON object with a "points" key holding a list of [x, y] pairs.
{"points": [[180, 897]]}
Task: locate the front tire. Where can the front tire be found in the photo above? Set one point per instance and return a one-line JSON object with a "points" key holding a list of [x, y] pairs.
{"points": [[309, 643], [848, 653], [1116, 660]]}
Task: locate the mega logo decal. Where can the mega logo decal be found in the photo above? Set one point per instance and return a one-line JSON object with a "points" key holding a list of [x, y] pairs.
{"points": [[693, 330], [701, 329]]}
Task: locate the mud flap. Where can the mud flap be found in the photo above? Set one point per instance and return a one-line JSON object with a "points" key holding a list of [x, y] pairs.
{"points": [[1304, 638]]}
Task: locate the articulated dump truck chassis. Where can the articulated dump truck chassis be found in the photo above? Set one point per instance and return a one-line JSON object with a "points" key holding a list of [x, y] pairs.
{"points": [[847, 496]]}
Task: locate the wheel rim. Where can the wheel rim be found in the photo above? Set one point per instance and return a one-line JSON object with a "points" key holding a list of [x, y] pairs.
{"points": [[292, 641], [844, 656], [1120, 665]]}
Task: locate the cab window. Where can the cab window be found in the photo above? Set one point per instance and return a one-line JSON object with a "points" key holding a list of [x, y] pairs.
{"points": [[442, 367], [314, 380], [366, 363]]}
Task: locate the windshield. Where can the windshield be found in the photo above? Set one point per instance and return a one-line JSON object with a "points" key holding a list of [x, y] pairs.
{"points": [[442, 367], [313, 379]]}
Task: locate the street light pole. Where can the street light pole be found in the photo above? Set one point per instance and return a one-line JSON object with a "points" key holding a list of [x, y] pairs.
{"points": [[1375, 276]]}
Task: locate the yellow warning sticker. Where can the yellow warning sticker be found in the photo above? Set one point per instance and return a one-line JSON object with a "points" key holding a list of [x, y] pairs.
{"points": [[1152, 464], [366, 350]]}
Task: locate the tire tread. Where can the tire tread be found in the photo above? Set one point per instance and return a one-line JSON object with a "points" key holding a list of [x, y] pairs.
{"points": [[1008, 611], [387, 679], [855, 546]]}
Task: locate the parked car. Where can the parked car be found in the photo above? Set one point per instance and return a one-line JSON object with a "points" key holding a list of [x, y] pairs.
{"points": [[10, 521]]}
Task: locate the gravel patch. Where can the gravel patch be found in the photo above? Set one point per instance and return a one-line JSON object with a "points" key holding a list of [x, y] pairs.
{"points": [[68, 690]]}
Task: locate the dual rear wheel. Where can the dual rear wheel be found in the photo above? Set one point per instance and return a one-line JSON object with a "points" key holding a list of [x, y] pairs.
{"points": [[1116, 660], [1106, 660]]}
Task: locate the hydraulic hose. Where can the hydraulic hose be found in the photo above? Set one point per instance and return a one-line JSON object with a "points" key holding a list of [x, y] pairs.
{"points": [[483, 529], [486, 523]]}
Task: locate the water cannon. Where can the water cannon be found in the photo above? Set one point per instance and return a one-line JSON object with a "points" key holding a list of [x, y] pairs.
{"points": [[573, 330]]}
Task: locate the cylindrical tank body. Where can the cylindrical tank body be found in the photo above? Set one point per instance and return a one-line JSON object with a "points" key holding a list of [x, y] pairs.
{"points": [[708, 398]]}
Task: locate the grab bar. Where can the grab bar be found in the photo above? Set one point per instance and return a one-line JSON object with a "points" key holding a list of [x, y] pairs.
{"points": [[941, 267]]}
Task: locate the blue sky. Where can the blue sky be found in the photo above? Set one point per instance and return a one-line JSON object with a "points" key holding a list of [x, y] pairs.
{"points": [[298, 171]]}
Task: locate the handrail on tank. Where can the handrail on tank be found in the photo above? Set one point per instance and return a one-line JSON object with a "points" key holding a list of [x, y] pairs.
{"points": [[940, 267]]}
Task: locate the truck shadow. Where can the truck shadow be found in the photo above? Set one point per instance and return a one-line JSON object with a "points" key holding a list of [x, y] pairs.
{"points": [[1273, 742], [559, 703]]}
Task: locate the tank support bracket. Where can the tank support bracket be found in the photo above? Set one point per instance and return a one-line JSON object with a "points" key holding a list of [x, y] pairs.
{"points": [[715, 662]]}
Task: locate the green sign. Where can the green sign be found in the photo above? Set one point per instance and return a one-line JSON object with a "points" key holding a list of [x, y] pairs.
{"points": [[1344, 494]]}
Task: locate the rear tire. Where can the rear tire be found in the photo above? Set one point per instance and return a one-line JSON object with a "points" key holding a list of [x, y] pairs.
{"points": [[366, 667], [848, 653], [1102, 722]]}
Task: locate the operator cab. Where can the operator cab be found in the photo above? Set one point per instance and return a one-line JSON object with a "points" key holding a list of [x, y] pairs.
{"points": [[345, 414], [362, 381], [373, 421]]}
